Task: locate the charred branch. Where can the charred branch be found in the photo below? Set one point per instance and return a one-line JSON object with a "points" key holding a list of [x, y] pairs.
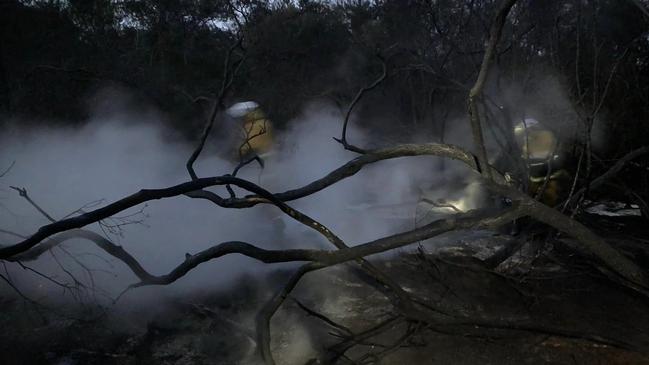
{"points": [[476, 91], [229, 72], [350, 108]]}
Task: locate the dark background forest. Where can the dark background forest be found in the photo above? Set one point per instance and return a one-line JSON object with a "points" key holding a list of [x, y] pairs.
{"points": [[59, 59], [56, 55]]}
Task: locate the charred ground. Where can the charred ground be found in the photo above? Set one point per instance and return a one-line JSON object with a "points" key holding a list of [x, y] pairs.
{"points": [[547, 307]]}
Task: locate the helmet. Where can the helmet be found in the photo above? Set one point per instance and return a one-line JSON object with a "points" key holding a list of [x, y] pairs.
{"points": [[536, 141], [256, 135], [239, 110]]}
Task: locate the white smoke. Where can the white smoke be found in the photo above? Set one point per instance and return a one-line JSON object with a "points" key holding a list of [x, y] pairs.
{"points": [[111, 157]]}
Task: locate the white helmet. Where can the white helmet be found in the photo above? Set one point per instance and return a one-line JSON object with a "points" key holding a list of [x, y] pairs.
{"points": [[536, 141], [527, 124], [238, 110]]}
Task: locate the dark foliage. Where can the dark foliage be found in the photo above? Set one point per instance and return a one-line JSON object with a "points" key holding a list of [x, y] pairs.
{"points": [[56, 57]]}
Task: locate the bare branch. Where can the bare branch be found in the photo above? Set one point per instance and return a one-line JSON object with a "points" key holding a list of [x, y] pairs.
{"points": [[608, 82], [228, 78], [630, 273], [476, 90], [246, 162], [616, 261], [18, 291], [354, 166], [12, 233], [266, 314], [338, 351], [3, 173], [612, 172], [23, 193], [440, 203], [322, 317], [357, 98], [114, 208], [116, 251], [50, 279], [474, 219]]}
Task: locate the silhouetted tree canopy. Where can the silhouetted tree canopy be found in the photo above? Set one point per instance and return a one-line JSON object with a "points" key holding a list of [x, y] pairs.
{"points": [[55, 56]]}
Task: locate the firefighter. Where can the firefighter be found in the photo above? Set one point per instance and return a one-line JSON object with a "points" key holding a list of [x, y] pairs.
{"points": [[254, 132], [251, 137], [545, 162]]}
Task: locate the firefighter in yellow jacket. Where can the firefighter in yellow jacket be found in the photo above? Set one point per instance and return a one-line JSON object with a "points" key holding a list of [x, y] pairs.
{"points": [[251, 137], [254, 131], [540, 148]]}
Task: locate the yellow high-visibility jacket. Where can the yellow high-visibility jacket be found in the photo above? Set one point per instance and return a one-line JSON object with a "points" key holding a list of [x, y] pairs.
{"points": [[540, 148], [256, 134]]}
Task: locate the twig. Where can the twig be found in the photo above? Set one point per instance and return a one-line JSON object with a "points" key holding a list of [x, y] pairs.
{"points": [[18, 291], [246, 162], [610, 172], [375, 358], [218, 105], [4, 266], [8, 169], [46, 277], [266, 314], [323, 318], [440, 203], [77, 282], [350, 108], [574, 182], [12, 233], [83, 208], [23, 193], [337, 351]]}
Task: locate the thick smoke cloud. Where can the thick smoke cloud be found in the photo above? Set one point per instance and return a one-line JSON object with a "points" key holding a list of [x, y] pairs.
{"points": [[119, 152], [116, 155]]}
